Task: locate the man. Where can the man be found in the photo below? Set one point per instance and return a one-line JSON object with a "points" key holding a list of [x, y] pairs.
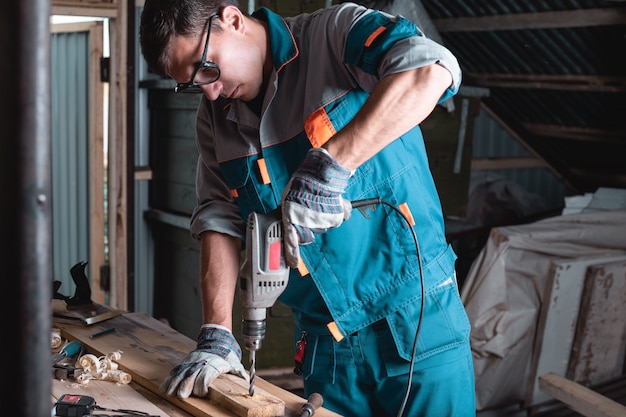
{"points": [[309, 113]]}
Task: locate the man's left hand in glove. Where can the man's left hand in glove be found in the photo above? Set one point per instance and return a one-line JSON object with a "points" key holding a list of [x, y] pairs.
{"points": [[313, 202], [217, 353]]}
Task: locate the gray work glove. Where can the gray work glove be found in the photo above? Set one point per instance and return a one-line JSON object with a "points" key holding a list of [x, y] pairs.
{"points": [[217, 353], [312, 201]]}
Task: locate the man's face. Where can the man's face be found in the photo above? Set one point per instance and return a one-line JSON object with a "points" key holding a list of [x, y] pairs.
{"points": [[236, 54]]}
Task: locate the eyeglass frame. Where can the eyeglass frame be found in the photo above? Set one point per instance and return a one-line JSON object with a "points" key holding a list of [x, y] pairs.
{"points": [[192, 84]]}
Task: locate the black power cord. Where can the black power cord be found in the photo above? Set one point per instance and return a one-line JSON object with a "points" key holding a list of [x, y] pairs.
{"points": [[126, 413], [373, 202]]}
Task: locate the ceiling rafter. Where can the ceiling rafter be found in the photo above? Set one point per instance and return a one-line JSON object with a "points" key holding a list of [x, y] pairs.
{"points": [[575, 133], [590, 83], [528, 141], [488, 164], [541, 20]]}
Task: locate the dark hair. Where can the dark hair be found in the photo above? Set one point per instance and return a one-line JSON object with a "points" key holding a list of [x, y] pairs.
{"points": [[163, 20]]}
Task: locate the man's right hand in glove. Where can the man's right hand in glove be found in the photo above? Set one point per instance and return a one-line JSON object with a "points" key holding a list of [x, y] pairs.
{"points": [[217, 353], [312, 202]]}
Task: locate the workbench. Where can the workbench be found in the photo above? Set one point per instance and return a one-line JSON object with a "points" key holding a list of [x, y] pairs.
{"points": [[149, 350]]}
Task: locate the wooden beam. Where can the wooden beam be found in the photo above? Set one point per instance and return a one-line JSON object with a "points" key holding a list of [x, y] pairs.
{"points": [[83, 11], [576, 133], [579, 398], [541, 20], [482, 164], [530, 142], [96, 162], [561, 82], [91, 4], [118, 191]]}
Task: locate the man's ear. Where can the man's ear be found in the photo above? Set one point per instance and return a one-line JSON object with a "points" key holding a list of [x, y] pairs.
{"points": [[232, 17]]}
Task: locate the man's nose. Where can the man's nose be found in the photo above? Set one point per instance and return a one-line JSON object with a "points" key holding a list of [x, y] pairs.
{"points": [[210, 91]]}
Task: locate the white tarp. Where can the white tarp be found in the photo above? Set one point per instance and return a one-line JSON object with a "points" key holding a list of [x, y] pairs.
{"points": [[503, 293]]}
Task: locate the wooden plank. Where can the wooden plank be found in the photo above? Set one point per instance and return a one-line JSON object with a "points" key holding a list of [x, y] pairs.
{"points": [[557, 321], [579, 398], [150, 349], [118, 194], [169, 408], [96, 162], [600, 343], [78, 4]]}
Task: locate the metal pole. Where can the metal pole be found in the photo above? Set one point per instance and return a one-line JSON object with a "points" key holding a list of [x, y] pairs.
{"points": [[25, 185], [130, 154]]}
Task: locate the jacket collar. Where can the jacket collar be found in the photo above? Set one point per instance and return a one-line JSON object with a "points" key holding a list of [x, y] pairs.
{"points": [[282, 43]]}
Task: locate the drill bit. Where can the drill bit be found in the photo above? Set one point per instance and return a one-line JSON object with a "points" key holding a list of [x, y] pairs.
{"points": [[252, 371]]}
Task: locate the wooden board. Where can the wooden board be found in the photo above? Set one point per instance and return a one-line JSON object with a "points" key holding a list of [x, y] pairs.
{"points": [[150, 349], [557, 321], [600, 343], [579, 398]]}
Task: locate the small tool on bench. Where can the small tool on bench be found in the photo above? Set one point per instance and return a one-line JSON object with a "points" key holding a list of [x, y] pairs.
{"points": [[82, 295], [63, 372], [80, 306], [62, 368], [67, 351], [314, 402]]}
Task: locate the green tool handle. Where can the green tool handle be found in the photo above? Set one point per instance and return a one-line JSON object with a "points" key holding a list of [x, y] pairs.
{"points": [[70, 349]]}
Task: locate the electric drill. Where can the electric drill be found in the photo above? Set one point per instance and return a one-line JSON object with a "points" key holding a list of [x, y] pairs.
{"points": [[263, 277]]}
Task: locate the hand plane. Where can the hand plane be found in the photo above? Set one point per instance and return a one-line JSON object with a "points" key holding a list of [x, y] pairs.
{"points": [[80, 307]]}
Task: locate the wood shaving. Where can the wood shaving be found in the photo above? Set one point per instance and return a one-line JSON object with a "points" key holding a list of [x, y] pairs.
{"points": [[55, 338], [103, 368]]}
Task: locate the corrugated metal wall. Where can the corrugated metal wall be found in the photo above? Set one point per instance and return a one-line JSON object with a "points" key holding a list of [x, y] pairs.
{"points": [[70, 154], [144, 240]]}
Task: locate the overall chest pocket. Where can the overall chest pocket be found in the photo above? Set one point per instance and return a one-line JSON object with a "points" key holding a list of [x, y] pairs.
{"points": [[246, 182]]}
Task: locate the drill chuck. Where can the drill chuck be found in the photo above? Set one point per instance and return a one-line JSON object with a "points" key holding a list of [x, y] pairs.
{"points": [[253, 332]]}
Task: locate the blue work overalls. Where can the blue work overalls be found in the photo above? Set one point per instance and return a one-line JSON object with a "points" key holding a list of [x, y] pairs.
{"points": [[357, 297]]}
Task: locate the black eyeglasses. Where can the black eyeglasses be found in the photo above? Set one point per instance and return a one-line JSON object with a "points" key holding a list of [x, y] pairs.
{"points": [[206, 72]]}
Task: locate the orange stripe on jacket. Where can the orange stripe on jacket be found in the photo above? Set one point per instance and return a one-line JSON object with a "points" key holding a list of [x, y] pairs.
{"points": [[370, 39], [318, 128], [334, 331], [265, 176], [302, 269], [404, 208]]}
